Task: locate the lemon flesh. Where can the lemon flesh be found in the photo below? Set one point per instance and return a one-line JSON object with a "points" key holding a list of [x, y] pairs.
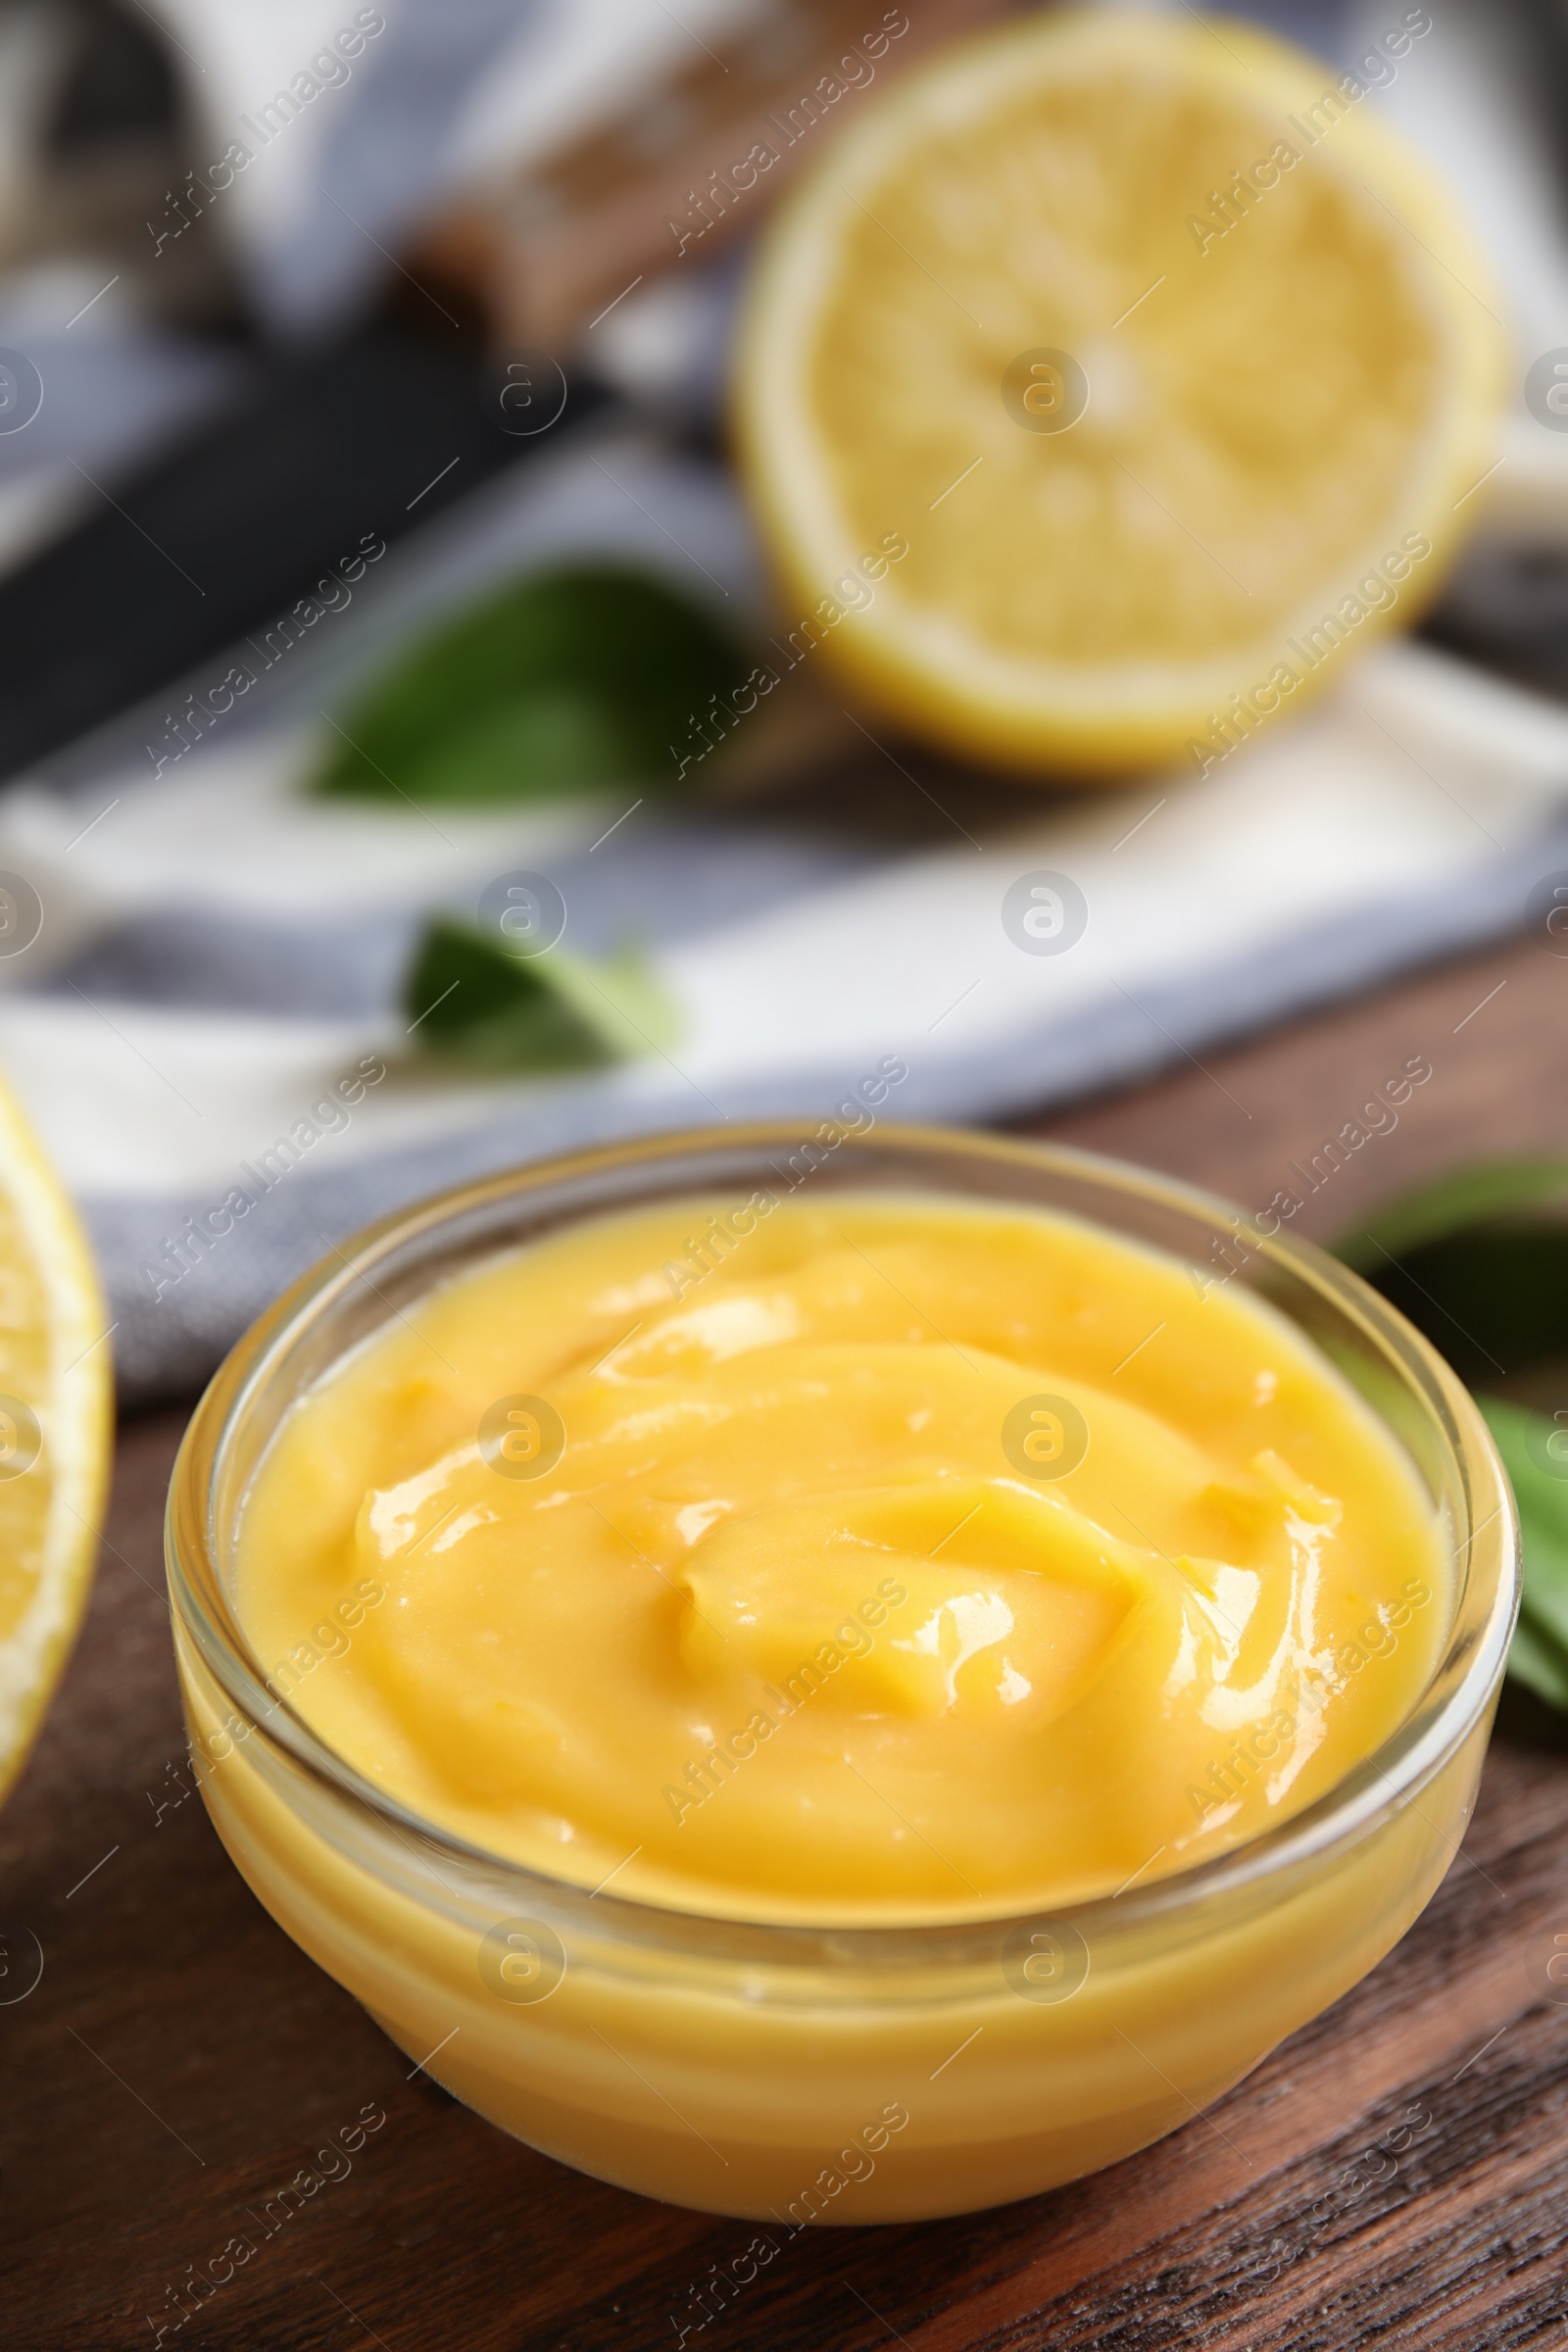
{"points": [[55, 1420], [1154, 346]]}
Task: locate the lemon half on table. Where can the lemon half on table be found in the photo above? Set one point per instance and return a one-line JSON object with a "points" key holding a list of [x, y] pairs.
{"points": [[55, 1398], [1161, 354]]}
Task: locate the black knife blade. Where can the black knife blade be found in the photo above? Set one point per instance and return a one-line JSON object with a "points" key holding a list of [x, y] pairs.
{"points": [[372, 434]]}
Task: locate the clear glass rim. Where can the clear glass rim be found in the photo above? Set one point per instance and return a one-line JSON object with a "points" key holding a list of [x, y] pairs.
{"points": [[1486, 1552]]}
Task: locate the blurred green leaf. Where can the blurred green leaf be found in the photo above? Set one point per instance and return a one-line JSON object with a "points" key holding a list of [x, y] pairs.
{"points": [[1542, 1666], [571, 679], [1524, 1438], [1465, 1197], [470, 1001], [1479, 1262]]}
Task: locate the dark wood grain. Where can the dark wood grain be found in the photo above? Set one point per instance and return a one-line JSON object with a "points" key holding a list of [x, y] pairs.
{"points": [[179, 2059]]}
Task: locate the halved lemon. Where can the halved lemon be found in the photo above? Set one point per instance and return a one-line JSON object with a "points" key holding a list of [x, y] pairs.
{"points": [[55, 1397], [1110, 382]]}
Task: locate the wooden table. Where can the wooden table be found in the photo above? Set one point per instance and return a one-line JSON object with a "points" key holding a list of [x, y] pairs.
{"points": [[179, 2059]]}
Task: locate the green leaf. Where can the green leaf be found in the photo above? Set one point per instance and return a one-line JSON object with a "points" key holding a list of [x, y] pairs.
{"points": [[568, 680], [1541, 1665], [468, 1000], [1466, 1197], [1539, 1657], [1478, 1261]]}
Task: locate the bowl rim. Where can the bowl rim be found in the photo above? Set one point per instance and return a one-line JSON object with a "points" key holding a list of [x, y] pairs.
{"points": [[1370, 1791]]}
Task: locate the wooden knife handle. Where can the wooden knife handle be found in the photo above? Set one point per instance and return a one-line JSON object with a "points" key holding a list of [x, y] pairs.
{"points": [[670, 180]]}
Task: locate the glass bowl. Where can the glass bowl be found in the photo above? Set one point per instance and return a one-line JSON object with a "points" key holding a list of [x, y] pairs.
{"points": [[796, 2074]]}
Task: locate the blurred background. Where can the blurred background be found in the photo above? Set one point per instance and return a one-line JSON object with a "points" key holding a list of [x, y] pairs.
{"points": [[322, 328]]}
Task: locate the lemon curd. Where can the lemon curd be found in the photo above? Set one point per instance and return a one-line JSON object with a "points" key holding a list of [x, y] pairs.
{"points": [[838, 1686], [889, 1558]]}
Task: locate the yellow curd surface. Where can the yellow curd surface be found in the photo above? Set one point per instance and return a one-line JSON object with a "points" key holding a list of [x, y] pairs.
{"points": [[885, 1557]]}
